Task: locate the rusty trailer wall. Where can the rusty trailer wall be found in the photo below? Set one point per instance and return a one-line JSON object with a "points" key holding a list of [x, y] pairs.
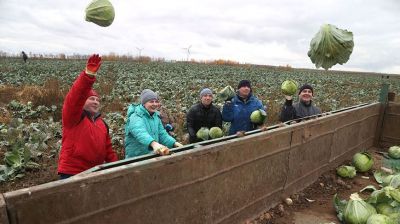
{"points": [[226, 182]]}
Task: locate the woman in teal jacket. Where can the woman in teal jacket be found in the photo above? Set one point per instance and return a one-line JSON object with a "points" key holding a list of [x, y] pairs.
{"points": [[144, 131]]}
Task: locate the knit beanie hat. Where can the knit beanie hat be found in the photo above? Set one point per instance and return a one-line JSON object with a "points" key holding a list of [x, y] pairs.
{"points": [[205, 91], [147, 95], [92, 93], [244, 83], [306, 86]]}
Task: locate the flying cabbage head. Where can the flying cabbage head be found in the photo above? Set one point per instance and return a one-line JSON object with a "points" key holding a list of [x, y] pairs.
{"points": [[100, 12]]}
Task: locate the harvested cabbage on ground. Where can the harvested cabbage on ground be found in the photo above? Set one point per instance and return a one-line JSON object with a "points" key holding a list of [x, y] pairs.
{"points": [[363, 161], [346, 171], [394, 152], [331, 46], [100, 12]]}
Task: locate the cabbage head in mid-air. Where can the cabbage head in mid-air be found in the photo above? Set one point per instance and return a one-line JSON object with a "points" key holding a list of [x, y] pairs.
{"points": [[100, 12], [331, 46]]}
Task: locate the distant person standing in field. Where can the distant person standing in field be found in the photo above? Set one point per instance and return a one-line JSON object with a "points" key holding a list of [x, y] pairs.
{"points": [[85, 138], [303, 108], [239, 108], [203, 114], [144, 131], [24, 56]]}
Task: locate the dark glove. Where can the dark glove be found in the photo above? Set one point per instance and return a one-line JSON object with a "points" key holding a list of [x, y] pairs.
{"points": [[93, 64], [169, 127]]}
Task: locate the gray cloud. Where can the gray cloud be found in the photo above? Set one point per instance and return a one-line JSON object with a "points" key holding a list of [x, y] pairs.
{"points": [[253, 31]]}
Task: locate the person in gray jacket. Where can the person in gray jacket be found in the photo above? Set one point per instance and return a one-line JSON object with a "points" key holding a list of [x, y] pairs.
{"points": [[303, 108]]}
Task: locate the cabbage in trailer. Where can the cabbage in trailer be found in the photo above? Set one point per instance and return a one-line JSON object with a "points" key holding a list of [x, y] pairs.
{"points": [[331, 46]]}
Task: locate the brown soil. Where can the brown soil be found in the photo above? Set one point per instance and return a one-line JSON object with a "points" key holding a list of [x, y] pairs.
{"points": [[46, 173], [315, 203]]}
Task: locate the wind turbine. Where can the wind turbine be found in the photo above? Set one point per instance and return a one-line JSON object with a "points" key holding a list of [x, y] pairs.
{"points": [[140, 51], [187, 49]]}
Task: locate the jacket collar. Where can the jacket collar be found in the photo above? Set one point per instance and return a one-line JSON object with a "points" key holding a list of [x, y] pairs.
{"points": [[145, 112]]}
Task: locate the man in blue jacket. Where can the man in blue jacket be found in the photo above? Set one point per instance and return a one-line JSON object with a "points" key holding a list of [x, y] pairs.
{"points": [[238, 110]]}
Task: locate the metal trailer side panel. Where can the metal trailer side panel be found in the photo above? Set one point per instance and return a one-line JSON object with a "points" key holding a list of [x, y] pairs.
{"points": [[226, 182], [390, 134], [218, 184], [354, 132], [309, 153], [3, 211]]}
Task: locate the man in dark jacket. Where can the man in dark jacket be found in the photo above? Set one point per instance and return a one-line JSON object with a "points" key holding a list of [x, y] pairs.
{"points": [[203, 114], [85, 139], [303, 108]]}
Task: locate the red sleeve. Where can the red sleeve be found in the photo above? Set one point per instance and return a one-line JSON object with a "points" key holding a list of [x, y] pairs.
{"points": [[75, 99], [111, 155]]}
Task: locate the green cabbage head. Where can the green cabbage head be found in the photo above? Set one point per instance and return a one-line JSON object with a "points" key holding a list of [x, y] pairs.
{"points": [[289, 87], [346, 171], [100, 12], [357, 211], [226, 93], [258, 116], [216, 132], [379, 219], [394, 152], [330, 46], [363, 161], [202, 133]]}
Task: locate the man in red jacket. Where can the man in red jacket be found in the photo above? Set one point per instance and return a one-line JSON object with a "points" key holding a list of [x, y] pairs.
{"points": [[85, 139]]}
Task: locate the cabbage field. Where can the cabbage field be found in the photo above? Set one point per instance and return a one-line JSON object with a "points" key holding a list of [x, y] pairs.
{"points": [[31, 97]]}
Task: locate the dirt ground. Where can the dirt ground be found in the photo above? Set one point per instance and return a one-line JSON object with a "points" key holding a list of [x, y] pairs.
{"points": [[315, 203]]}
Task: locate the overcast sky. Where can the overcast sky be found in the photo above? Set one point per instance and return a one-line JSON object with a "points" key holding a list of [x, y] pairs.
{"points": [[270, 32]]}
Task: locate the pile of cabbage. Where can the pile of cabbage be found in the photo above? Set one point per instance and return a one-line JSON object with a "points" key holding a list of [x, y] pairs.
{"points": [[331, 46], [382, 206]]}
